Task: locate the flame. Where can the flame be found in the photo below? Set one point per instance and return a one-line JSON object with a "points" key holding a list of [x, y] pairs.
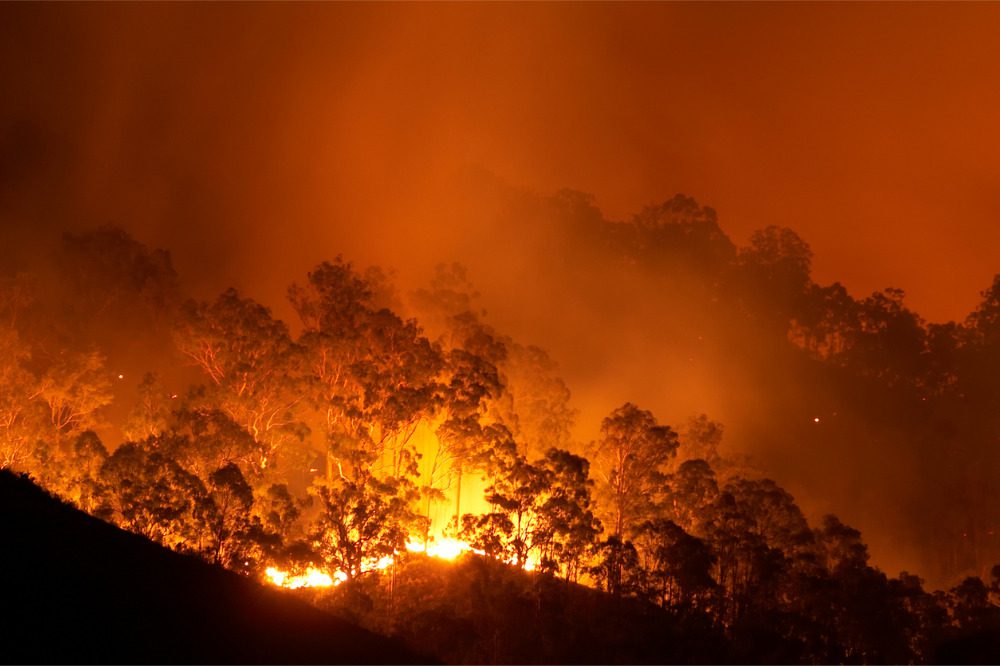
{"points": [[311, 578], [383, 563], [444, 548]]}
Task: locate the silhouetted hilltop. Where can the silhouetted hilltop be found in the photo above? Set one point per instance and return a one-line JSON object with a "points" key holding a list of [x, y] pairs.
{"points": [[479, 611], [77, 590]]}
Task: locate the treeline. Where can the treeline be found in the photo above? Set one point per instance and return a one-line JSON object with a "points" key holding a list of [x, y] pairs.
{"points": [[330, 445], [907, 407]]}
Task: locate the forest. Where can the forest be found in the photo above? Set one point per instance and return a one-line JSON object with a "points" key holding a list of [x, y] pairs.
{"points": [[395, 457]]}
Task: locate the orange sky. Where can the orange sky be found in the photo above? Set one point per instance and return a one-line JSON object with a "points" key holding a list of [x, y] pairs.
{"points": [[254, 140], [233, 131]]}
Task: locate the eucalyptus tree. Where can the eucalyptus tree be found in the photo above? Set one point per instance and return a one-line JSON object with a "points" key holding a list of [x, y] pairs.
{"points": [[631, 458]]}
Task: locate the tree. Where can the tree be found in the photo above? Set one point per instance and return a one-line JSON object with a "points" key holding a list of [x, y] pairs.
{"points": [[362, 520], [617, 571], [840, 545], [149, 493], [678, 566], [748, 570], [205, 440], [253, 367], [233, 528], [449, 295], [149, 417], [970, 606], [468, 438], [567, 526], [70, 468], [22, 421], [701, 440], [775, 516], [679, 233], [512, 524], [826, 324], [772, 274], [984, 322], [630, 458], [278, 510], [373, 374], [691, 492], [541, 417], [539, 513], [890, 341], [74, 387], [478, 416], [399, 383], [108, 269]]}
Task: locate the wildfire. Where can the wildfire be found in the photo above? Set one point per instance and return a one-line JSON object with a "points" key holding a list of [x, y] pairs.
{"points": [[311, 578], [445, 548]]}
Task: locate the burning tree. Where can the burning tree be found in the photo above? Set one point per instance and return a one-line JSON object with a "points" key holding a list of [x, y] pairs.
{"points": [[362, 522], [540, 513]]}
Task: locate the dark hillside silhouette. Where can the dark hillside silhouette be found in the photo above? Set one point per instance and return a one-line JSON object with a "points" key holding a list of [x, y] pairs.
{"points": [[77, 590]]}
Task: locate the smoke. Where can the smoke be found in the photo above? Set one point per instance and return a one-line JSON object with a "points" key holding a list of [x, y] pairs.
{"points": [[254, 141]]}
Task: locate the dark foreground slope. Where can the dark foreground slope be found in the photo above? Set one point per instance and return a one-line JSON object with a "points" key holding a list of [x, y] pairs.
{"points": [[479, 611], [77, 590]]}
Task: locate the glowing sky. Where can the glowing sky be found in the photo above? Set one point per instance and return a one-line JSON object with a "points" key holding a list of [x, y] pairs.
{"points": [[228, 132]]}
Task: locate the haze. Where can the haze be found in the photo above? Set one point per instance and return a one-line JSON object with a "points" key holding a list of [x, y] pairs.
{"points": [[255, 140]]}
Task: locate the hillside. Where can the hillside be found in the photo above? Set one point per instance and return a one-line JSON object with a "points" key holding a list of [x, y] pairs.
{"points": [[476, 610], [77, 590]]}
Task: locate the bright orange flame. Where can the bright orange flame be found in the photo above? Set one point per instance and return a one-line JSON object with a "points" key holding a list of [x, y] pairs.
{"points": [[444, 548], [311, 578]]}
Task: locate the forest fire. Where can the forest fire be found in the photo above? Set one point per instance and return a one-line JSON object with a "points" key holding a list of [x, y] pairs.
{"points": [[658, 398], [444, 548], [312, 577], [360, 441]]}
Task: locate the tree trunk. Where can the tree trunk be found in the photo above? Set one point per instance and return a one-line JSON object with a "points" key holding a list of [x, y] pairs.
{"points": [[458, 502]]}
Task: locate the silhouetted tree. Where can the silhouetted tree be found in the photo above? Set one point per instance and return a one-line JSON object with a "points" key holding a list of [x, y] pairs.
{"points": [[630, 459], [678, 566], [149, 493], [772, 274], [362, 520], [617, 570], [232, 526]]}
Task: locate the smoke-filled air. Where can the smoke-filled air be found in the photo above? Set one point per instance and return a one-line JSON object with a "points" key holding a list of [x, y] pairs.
{"points": [[523, 333]]}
